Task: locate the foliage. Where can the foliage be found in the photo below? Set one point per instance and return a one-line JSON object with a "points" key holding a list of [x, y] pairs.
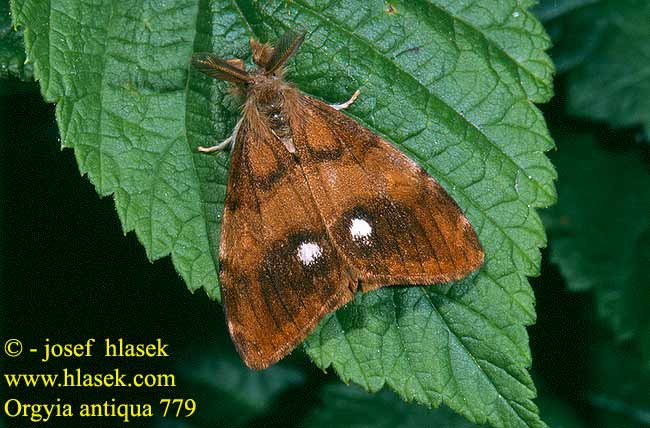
{"points": [[227, 390], [599, 233], [352, 407], [622, 400], [452, 84], [12, 51], [134, 113], [601, 228], [604, 47]]}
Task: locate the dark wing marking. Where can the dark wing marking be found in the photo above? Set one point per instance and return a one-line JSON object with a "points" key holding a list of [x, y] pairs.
{"points": [[280, 273], [391, 221], [218, 68]]}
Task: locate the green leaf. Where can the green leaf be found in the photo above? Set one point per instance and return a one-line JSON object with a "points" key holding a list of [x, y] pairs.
{"points": [[12, 51], [605, 47], [451, 83], [226, 390], [600, 229], [574, 28], [119, 75], [348, 406], [619, 400]]}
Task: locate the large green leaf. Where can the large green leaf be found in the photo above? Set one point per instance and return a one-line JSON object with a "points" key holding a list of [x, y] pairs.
{"points": [[605, 47], [451, 83], [600, 229], [12, 51]]}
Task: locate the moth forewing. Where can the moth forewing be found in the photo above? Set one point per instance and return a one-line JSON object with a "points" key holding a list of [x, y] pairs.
{"points": [[280, 273], [316, 207], [391, 221]]}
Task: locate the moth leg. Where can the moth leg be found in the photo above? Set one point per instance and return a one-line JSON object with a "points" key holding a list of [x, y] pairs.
{"points": [[347, 103], [221, 146], [228, 142]]}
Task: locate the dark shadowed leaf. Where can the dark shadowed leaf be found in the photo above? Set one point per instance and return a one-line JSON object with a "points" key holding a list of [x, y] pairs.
{"points": [[349, 406], [226, 390], [605, 48], [618, 388], [599, 230], [12, 51], [557, 412]]}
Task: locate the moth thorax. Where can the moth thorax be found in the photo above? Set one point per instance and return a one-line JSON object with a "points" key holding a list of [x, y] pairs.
{"points": [[274, 109]]}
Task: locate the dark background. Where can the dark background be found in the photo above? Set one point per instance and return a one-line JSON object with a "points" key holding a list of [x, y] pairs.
{"points": [[68, 273]]}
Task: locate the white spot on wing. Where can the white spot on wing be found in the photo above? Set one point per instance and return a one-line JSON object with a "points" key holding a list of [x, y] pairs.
{"points": [[308, 252], [360, 230]]}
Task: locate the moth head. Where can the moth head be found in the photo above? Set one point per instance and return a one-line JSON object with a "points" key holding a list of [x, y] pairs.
{"points": [[269, 60], [262, 52]]}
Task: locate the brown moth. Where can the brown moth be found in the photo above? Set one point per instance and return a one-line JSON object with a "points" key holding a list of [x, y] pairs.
{"points": [[316, 207]]}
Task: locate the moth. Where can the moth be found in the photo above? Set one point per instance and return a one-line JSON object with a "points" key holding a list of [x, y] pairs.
{"points": [[316, 207]]}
